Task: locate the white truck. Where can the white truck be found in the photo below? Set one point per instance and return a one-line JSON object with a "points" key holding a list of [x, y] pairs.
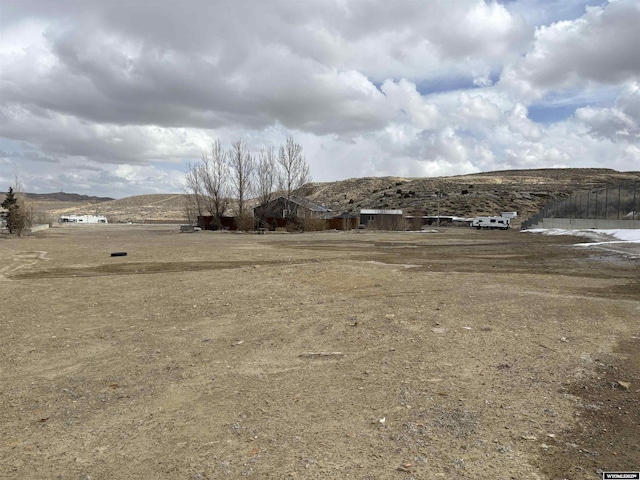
{"points": [[491, 222]]}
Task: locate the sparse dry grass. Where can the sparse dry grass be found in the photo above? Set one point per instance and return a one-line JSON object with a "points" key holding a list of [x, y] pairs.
{"points": [[138, 208], [460, 352]]}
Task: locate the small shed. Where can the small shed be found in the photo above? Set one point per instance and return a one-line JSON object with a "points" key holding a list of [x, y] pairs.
{"points": [[381, 219], [345, 221]]}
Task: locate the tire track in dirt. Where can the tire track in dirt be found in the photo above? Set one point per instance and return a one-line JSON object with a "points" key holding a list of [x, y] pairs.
{"points": [[18, 261]]}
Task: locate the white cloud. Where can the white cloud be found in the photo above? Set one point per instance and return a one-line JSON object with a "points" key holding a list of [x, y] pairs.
{"points": [[477, 106], [116, 94], [611, 123], [519, 123], [66, 136], [403, 99], [618, 123], [593, 49]]}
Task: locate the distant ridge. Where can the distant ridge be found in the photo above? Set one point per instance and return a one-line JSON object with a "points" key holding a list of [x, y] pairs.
{"points": [[161, 207], [486, 193], [66, 197]]}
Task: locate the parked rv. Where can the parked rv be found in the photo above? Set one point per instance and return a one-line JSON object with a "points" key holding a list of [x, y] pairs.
{"points": [[491, 222]]}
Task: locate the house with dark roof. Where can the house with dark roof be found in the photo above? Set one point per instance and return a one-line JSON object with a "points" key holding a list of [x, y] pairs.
{"points": [[292, 207], [280, 210]]}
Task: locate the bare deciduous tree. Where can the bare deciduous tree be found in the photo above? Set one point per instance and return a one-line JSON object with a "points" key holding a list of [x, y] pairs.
{"points": [[242, 168], [265, 178], [266, 174], [214, 180], [207, 186], [215, 174], [294, 171], [194, 199]]}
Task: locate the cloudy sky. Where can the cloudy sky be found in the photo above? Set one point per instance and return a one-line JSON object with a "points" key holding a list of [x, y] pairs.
{"points": [[114, 97]]}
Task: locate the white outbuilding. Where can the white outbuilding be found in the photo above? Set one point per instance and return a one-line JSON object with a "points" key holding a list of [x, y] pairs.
{"points": [[83, 219]]}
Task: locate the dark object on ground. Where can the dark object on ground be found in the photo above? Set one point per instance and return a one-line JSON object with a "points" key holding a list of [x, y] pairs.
{"points": [[119, 254]]}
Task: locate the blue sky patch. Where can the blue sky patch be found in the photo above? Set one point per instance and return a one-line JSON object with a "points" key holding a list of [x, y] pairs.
{"points": [[547, 114], [558, 106]]}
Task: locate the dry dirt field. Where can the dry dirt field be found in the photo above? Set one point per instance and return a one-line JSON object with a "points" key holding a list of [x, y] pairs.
{"points": [[455, 354]]}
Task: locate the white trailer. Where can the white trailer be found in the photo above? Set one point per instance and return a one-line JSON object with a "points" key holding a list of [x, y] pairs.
{"points": [[83, 219], [501, 223]]}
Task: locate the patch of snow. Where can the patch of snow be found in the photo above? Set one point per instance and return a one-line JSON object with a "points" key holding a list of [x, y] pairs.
{"points": [[627, 235], [624, 242], [605, 236]]}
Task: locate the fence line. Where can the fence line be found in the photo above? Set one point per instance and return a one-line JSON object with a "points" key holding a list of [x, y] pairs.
{"points": [[620, 202]]}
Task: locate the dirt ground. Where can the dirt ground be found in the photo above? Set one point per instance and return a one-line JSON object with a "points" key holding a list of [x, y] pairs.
{"points": [[440, 355]]}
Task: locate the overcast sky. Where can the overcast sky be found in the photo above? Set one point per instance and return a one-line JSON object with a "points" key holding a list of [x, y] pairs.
{"points": [[114, 97]]}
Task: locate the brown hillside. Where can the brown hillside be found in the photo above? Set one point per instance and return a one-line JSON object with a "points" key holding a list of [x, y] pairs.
{"points": [[524, 191], [66, 197], [59, 200], [139, 208]]}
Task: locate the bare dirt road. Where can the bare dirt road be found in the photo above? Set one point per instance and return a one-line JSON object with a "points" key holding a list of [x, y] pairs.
{"points": [[442, 355]]}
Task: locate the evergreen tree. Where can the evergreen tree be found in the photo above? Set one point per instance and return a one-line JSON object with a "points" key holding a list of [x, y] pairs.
{"points": [[16, 217], [10, 200]]}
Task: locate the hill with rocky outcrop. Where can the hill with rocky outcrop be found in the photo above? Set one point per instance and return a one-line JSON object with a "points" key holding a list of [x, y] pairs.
{"points": [[523, 191]]}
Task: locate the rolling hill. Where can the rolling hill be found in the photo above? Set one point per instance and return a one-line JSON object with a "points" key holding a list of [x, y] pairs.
{"points": [[524, 191]]}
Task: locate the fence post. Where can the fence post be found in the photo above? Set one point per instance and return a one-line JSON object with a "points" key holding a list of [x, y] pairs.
{"points": [[635, 187], [579, 211], [573, 207], [588, 198], [618, 202]]}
